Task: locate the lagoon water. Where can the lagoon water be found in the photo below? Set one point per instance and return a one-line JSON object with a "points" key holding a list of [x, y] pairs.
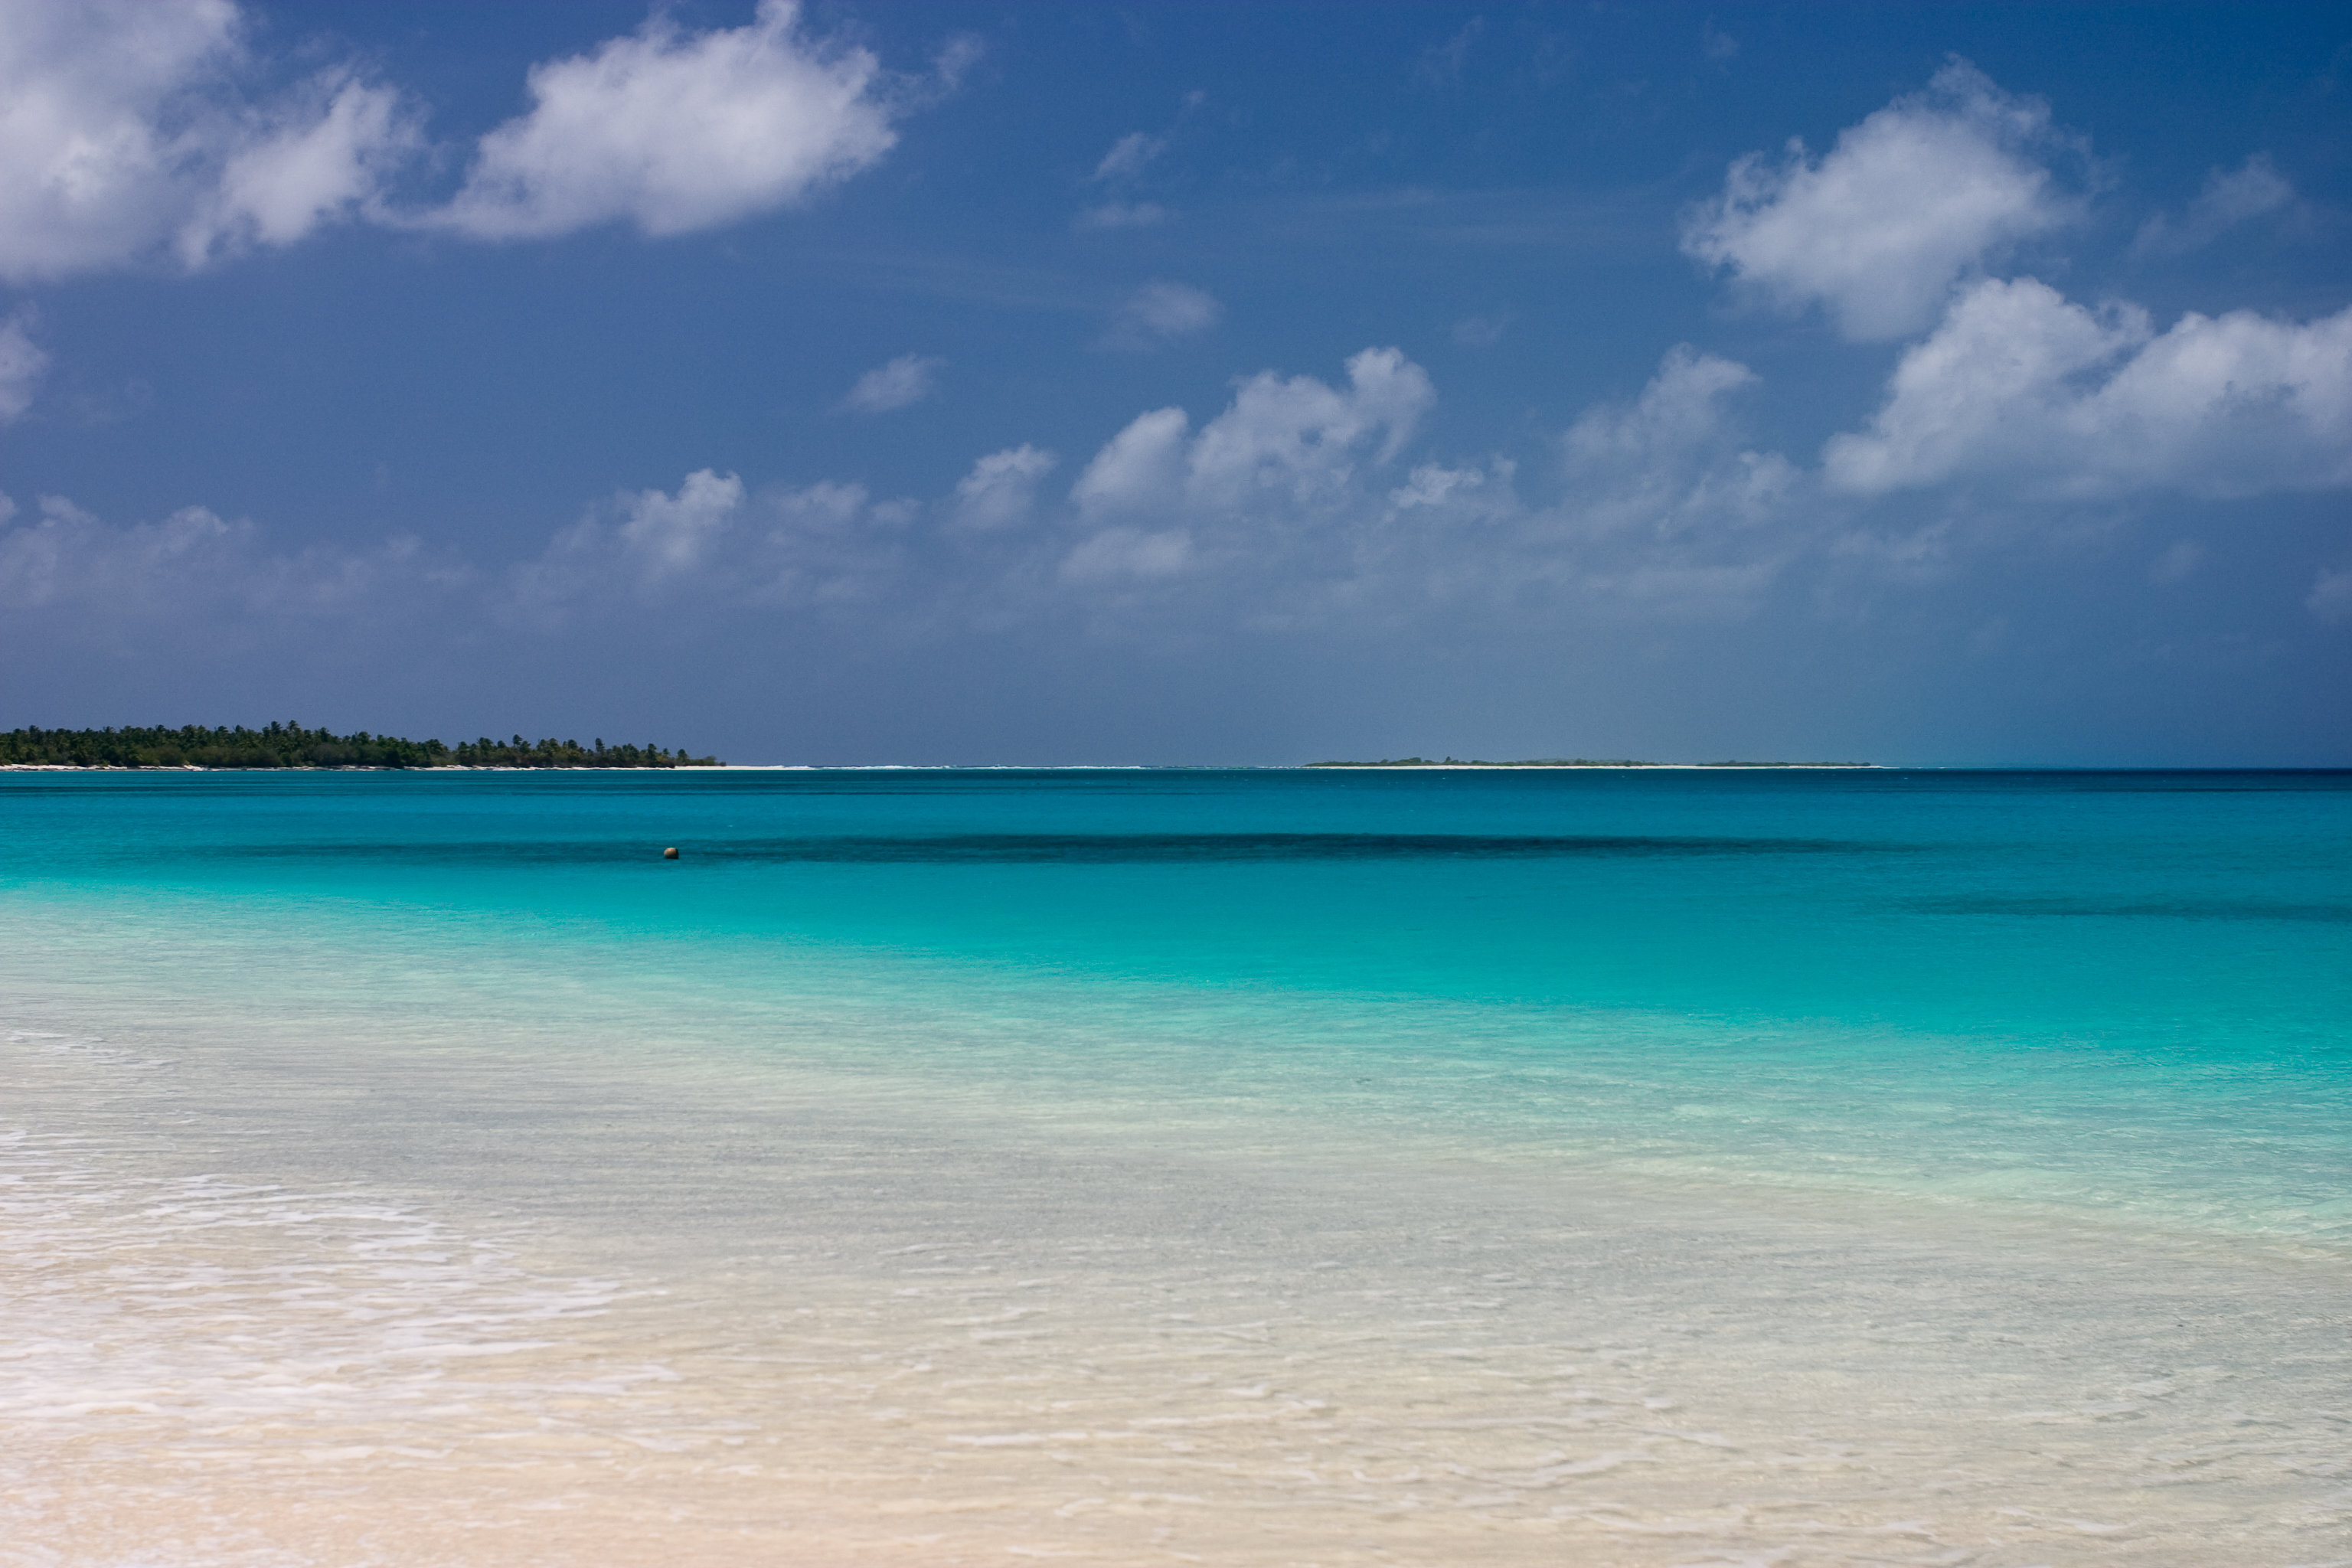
{"points": [[1149, 1167]]}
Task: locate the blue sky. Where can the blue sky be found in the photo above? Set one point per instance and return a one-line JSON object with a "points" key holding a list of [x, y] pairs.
{"points": [[1185, 383]]}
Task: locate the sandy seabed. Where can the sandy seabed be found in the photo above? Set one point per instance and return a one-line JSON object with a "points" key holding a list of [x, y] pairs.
{"points": [[519, 1304]]}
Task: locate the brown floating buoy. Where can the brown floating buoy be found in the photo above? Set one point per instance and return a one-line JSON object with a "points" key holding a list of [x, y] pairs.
{"points": [[670, 853]]}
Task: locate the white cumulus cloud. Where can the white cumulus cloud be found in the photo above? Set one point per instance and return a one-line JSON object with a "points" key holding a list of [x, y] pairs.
{"points": [[1290, 454], [716, 543], [1001, 488], [645, 544], [1301, 440], [1285, 507], [1139, 470], [901, 383], [2023, 388], [132, 130], [1669, 464], [197, 569], [125, 132], [1879, 229], [1291, 440], [327, 151], [1124, 553], [669, 534], [676, 131]]}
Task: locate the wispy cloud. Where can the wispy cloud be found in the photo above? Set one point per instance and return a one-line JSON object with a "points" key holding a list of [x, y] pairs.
{"points": [[901, 383], [1123, 215], [2330, 598], [1481, 331], [1161, 313], [1129, 156], [23, 362], [2231, 198], [1441, 64]]}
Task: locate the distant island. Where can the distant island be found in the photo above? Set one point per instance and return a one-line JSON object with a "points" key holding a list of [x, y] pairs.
{"points": [[1569, 763], [292, 746]]}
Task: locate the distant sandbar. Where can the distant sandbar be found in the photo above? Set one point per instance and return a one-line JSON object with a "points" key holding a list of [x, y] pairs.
{"points": [[1570, 762]]}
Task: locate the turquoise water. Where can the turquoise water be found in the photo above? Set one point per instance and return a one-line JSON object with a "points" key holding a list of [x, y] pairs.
{"points": [[2158, 964], [2020, 1034], [2199, 911]]}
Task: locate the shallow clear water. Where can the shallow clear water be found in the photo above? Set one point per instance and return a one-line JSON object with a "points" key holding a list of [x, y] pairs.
{"points": [[1261, 1166]]}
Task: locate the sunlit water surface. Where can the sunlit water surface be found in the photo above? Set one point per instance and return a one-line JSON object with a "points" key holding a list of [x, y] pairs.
{"points": [[1689, 1168]]}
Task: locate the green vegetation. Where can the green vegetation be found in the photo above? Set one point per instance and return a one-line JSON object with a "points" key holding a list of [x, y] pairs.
{"points": [[292, 746], [1567, 762]]}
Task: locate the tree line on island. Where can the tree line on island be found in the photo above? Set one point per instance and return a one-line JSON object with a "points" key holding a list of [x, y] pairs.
{"points": [[292, 746]]}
